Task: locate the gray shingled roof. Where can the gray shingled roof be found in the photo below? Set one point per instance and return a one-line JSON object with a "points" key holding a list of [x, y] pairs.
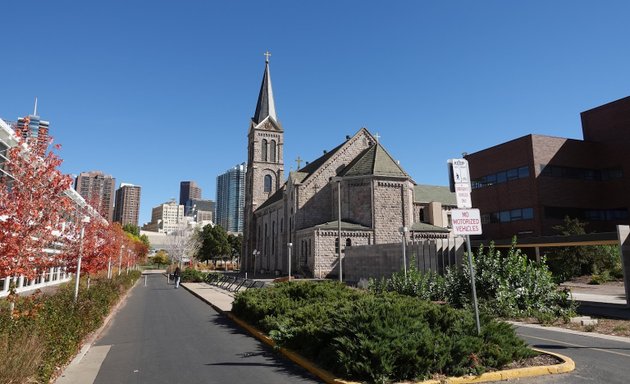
{"points": [[431, 193], [344, 225], [265, 105], [424, 227], [374, 161], [277, 196]]}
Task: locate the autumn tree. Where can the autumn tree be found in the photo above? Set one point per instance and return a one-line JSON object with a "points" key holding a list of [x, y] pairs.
{"points": [[33, 211]]}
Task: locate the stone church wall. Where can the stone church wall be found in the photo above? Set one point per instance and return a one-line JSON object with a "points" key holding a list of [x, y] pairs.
{"points": [[389, 211], [326, 261], [356, 201], [382, 260]]}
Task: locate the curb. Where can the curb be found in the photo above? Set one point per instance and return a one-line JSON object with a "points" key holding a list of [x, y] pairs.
{"points": [[567, 365], [219, 310]]}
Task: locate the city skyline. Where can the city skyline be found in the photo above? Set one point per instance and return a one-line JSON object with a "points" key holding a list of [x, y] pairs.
{"points": [[432, 79]]}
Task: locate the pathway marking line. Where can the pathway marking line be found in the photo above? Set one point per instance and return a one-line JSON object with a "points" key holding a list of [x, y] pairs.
{"points": [[578, 345]]}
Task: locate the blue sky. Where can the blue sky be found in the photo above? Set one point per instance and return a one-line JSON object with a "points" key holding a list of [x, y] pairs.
{"points": [[156, 92]]}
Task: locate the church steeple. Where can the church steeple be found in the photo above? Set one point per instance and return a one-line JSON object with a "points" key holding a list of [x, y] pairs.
{"points": [[265, 105]]}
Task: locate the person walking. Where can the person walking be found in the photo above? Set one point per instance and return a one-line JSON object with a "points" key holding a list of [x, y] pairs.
{"points": [[176, 276]]}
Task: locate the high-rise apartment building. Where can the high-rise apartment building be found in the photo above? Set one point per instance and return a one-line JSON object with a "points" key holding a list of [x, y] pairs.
{"points": [[34, 130], [127, 208], [188, 190], [98, 190], [231, 199]]}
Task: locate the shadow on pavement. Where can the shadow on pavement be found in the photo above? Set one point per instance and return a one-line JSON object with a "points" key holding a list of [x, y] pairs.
{"points": [[597, 309], [270, 358]]}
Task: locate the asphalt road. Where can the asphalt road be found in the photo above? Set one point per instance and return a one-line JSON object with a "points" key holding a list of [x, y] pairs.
{"points": [[166, 335], [597, 360]]}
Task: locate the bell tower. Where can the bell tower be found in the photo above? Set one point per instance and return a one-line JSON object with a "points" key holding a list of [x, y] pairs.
{"points": [[265, 162]]}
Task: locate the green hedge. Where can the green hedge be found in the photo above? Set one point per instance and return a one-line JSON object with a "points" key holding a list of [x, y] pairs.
{"points": [[377, 337], [190, 275], [57, 322]]}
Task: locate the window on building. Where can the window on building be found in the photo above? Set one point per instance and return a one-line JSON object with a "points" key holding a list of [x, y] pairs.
{"points": [[336, 246], [272, 149], [422, 214], [267, 187], [263, 151], [348, 242]]}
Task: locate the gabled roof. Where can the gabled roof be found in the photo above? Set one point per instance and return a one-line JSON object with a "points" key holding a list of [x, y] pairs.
{"points": [[424, 227], [265, 106], [431, 193], [374, 161], [277, 196], [347, 226], [314, 165]]}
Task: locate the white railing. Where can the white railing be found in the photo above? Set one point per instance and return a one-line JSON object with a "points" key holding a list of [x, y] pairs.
{"points": [[52, 276]]}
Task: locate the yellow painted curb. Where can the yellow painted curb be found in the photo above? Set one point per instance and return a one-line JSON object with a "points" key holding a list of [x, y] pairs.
{"points": [[567, 365]]}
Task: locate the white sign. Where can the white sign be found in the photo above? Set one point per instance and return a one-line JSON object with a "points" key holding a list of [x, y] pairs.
{"points": [[460, 171], [462, 194], [466, 221]]}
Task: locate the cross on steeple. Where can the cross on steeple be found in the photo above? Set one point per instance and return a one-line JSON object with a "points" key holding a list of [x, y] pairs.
{"points": [[298, 161], [377, 137], [267, 54]]}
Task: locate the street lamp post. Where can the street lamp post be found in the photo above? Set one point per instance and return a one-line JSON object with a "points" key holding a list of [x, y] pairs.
{"points": [[255, 253], [120, 259], [404, 231], [86, 219], [338, 180], [290, 246]]}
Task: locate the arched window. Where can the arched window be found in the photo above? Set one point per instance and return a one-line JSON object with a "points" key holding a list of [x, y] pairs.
{"points": [[264, 150], [336, 246], [348, 242], [272, 149], [267, 183]]}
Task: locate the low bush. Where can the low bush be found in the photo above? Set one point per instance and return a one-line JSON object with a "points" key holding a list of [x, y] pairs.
{"points": [[54, 323], [190, 275], [377, 337]]}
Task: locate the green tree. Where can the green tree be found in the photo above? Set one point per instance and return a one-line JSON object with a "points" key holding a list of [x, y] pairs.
{"points": [[145, 240], [236, 243], [160, 258], [567, 262], [133, 229], [214, 243]]}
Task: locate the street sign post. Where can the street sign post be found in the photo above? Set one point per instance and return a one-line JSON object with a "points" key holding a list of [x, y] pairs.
{"points": [[465, 221]]}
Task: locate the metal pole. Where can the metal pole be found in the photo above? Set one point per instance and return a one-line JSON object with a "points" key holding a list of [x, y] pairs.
{"points": [[404, 249], [339, 229], [76, 283], [472, 281], [120, 259], [290, 245], [109, 267]]}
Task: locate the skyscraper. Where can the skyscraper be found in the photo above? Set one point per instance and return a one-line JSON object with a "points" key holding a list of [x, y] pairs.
{"points": [[231, 199], [188, 190], [98, 190], [127, 208], [34, 130]]}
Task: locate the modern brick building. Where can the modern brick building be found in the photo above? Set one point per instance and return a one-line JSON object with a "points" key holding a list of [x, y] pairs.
{"points": [[98, 190], [127, 208], [526, 186]]}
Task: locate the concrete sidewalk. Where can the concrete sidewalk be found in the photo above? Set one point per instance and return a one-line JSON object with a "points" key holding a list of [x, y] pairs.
{"points": [[220, 299]]}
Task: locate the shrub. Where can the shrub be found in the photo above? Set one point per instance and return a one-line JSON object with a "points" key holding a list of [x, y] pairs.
{"points": [[56, 323], [190, 275], [509, 286], [377, 337], [427, 286]]}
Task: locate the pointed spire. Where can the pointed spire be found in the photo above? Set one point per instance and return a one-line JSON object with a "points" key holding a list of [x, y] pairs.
{"points": [[265, 105]]}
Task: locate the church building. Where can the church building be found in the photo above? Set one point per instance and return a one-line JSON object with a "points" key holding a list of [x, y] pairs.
{"points": [[357, 182]]}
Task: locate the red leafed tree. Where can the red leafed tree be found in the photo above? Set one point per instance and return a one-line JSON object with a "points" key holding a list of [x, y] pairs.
{"points": [[33, 209], [94, 247]]}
